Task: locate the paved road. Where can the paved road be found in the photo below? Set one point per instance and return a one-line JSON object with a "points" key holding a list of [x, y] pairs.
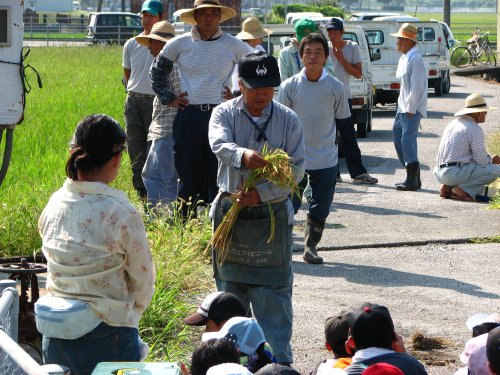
{"points": [[431, 288]]}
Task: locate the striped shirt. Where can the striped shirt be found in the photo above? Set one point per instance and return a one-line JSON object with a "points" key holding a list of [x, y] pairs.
{"points": [[463, 142], [163, 114], [205, 66]]}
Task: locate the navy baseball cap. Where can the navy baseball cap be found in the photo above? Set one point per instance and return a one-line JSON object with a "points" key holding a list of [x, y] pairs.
{"points": [[335, 24]]}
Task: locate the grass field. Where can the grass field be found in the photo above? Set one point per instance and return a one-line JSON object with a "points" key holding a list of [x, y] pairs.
{"points": [[78, 82]]}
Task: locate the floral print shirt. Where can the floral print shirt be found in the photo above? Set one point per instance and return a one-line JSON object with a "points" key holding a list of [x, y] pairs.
{"points": [[97, 251]]}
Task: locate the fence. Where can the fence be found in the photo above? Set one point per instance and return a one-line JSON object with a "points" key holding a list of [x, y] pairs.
{"points": [[13, 359]]}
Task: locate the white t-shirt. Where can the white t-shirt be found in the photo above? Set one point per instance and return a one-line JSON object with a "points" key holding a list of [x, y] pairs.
{"points": [[138, 59]]}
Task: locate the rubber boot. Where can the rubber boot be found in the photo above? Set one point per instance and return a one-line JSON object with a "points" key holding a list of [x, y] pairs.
{"points": [[312, 236], [411, 183], [419, 181]]}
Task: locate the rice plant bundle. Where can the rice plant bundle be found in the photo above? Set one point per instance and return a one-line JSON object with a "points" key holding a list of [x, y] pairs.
{"points": [[278, 170]]}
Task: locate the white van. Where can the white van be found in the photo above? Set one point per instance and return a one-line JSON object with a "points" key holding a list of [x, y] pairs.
{"points": [[293, 17], [432, 44], [368, 16], [361, 89]]}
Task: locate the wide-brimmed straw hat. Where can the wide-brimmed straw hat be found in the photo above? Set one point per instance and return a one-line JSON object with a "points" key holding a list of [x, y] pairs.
{"points": [[251, 28], [187, 15], [408, 31], [474, 103], [162, 31]]}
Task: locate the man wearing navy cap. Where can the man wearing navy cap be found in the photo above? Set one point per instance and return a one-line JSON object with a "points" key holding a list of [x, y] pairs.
{"points": [[140, 94], [346, 57], [238, 131]]}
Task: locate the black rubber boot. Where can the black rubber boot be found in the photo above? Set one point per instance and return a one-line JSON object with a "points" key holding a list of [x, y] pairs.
{"points": [[411, 183], [312, 236], [419, 181]]}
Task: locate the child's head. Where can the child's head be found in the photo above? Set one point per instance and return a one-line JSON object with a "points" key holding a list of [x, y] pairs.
{"points": [[211, 353], [336, 333]]}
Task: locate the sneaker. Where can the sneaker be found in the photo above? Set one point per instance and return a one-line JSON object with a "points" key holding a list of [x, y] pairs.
{"points": [[364, 178]]}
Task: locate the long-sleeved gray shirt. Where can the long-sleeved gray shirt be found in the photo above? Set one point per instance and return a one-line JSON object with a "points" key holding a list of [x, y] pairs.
{"points": [[231, 133]]}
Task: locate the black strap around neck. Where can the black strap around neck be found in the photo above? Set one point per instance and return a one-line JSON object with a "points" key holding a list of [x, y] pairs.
{"points": [[261, 130]]}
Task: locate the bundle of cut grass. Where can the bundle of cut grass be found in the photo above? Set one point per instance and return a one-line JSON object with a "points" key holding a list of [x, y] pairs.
{"points": [[278, 170]]}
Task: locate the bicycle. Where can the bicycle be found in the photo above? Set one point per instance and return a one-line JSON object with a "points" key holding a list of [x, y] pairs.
{"points": [[478, 50]]}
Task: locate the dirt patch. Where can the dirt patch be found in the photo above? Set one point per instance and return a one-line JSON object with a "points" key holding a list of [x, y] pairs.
{"points": [[433, 351]]}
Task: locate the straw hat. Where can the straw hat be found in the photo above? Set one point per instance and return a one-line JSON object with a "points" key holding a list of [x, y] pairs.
{"points": [[407, 31], [187, 15], [474, 103], [162, 31], [252, 29]]}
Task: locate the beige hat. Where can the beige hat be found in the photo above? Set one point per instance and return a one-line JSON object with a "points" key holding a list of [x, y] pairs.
{"points": [[187, 15], [474, 103], [407, 31], [162, 31], [252, 29]]}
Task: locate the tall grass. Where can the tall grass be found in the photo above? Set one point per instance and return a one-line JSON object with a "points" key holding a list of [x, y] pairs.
{"points": [[78, 82]]}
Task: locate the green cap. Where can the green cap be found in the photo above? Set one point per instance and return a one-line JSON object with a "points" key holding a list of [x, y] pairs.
{"points": [[303, 27]]}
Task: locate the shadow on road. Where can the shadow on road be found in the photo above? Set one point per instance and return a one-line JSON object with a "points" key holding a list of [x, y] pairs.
{"points": [[386, 277], [381, 211]]}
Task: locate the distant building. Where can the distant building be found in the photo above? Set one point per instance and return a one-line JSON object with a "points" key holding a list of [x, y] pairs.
{"points": [[49, 5]]}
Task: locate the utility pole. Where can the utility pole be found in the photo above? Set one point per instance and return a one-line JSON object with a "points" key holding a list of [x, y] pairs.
{"points": [[446, 11]]}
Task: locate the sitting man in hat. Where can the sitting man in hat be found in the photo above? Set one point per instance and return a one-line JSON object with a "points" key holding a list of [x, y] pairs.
{"points": [[139, 102], [373, 340], [206, 57], [463, 165], [239, 129], [159, 175], [289, 60], [412, 105]]}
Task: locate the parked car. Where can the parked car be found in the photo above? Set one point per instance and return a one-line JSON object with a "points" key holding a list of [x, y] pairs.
{"points": [[293, 17], [368, 16], [113, 27]]}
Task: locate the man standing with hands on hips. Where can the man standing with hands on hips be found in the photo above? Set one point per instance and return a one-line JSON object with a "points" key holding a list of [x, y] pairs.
{"points": [[412, 105]]}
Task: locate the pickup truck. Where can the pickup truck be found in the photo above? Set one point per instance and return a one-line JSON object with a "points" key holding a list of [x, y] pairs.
{"points": [[432, 44], [361, 89]]}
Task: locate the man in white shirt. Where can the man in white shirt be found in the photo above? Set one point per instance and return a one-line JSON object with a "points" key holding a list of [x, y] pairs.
{"points": [[463, 167], [412, 105], [140, 95]]}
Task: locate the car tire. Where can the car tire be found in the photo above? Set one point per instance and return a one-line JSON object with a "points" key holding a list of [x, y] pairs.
{"points": [[438, 89], [362, 130], [369, 121], [446, 84]]}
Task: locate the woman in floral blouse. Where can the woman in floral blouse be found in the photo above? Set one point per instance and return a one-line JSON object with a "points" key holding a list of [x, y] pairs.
{"points": [[97, 252]]}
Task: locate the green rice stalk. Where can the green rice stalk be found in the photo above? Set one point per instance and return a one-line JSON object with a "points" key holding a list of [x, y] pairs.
{"points": [[278, 170]]}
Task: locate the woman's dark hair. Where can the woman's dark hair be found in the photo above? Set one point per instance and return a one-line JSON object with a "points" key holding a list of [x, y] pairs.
{"points": [[211, 353], [314, 38], [96, 140]]}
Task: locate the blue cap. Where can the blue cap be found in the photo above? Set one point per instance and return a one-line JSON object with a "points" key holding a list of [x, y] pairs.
{"points": [[335, 24], [153, 7]]}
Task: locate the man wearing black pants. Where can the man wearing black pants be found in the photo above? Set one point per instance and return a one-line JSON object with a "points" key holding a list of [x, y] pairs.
{"points": [[346, 57], [206, 57]]}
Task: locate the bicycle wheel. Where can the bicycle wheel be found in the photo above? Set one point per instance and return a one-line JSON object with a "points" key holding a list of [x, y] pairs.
{"points": [[483, 57], [460, 57]]}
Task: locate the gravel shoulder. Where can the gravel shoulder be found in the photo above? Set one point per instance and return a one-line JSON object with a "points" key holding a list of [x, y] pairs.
{"points": [[407, 250]]}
